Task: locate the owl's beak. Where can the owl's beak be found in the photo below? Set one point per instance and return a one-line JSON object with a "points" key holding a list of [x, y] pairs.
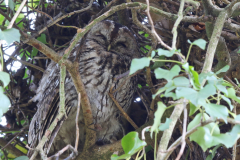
{"points": [[109, 47]]}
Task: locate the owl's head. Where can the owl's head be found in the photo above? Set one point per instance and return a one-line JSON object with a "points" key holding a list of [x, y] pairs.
{"points": [[114, 37]]}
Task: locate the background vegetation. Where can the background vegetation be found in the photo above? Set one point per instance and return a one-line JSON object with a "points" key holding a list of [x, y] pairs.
{"points": [[187, 74]]}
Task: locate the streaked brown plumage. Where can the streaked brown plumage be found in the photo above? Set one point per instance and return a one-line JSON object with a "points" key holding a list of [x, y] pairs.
{"points": [[104, 52]]}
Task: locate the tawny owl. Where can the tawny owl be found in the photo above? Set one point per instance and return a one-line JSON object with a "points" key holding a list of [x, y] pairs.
{"points": [[104, 52]]}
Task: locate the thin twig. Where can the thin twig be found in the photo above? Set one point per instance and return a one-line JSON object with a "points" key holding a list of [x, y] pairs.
{"points": [[183, 134], [56, 156], [26, 63], [125, 115], [77, 127], [153, 29], [16, 14], [69, 14], [9, 142]]}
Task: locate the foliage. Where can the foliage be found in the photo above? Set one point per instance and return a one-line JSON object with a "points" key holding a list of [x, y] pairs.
{"points": [[214, 100], [199, 96]]}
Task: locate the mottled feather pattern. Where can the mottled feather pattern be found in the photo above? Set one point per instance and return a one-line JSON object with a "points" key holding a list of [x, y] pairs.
{"points": [[104, 52]]}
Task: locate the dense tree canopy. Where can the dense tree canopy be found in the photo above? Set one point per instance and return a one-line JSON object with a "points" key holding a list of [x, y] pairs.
{"points": [[186, 104]]}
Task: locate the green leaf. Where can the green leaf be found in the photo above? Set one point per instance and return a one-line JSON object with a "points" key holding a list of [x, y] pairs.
{"points": [[238, 51], [209, 135], [157, 117], [42, 38], [147, 47], [232, 94], [198, 118], [200, 43], [5, 78], [158, 63], [203, 135], [25, 74], [146, 35], [139, 63], [131, 144], [196, 98], [194, 75], [140, 32], [203, 76], [166, 74], [229, 138], [10, 35], [11, 4], [22, 158], [167, 53], [153, 54], [193, 109], [220, 86], [216, 111], [5, 103], [224, 69], [181, 82], [139, 86], [171, 94], [204, 138], [228, 101], [116, 157], [158, 92], [165, 125], [34, 52]]}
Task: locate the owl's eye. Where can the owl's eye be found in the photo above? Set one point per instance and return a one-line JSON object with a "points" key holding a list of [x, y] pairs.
{"points": [[101, 36], [122, 44]]}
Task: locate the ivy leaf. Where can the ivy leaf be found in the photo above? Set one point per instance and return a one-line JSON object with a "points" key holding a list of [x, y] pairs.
{"points": [[193, 109], [153, 54], [232, 94], [181, 82], [171, 94], [5, 103], [216, 111], [166, 74], [194, 75], [42, 38], [11, 4], [131, 144], [228, 101], [139, 63], [167, 53], [224, 69], [157, 117], [165, 125], [22, 158], [5, 78], [10, 35], [196, 98], [204, 135], [199, 42], [229, 138]]}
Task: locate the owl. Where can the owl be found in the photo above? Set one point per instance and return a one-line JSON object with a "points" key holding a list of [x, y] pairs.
{"points": [[104, 52]]}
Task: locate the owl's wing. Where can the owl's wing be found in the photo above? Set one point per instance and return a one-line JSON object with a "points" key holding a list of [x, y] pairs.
{"points": [[48, 99]]}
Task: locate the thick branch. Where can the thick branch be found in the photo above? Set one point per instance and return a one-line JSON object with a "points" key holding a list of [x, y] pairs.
{"points": [[167, 134], [86, 107]]}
